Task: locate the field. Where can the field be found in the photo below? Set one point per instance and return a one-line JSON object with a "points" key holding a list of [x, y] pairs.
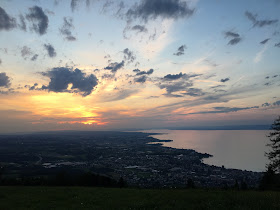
{"points": [[115, 198]]}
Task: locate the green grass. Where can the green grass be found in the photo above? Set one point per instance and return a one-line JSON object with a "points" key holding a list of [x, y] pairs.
{"points": [[107, 198]]}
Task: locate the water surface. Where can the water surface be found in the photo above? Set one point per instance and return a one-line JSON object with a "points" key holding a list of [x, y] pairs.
{"points": [[240, 149]]}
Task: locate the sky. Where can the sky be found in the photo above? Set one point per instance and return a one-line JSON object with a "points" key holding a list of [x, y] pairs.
{"points": [[146, 64]]}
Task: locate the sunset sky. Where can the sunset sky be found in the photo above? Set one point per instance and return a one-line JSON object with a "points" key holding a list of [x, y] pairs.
{"points": [[124, 64]]}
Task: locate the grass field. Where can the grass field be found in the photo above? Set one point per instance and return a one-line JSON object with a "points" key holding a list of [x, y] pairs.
{"points": [[107, 198]]}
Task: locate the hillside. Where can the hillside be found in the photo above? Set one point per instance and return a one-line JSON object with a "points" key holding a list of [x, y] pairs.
{"points": [[115, 198]]}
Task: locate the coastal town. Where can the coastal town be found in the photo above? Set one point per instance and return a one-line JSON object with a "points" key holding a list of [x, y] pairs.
{"points": [[140, 160]]}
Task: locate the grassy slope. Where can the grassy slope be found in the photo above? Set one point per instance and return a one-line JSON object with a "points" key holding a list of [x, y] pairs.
{"points": [[106, 198]]}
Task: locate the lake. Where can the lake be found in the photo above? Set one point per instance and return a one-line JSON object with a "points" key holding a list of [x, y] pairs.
{"points": [[240, 149]]}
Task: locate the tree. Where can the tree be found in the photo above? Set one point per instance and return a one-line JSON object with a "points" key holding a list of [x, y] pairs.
{"points": [[274, 144], [190, 183]]}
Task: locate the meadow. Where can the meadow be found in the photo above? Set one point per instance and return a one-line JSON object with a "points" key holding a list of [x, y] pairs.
{"points": [[41, 197]]}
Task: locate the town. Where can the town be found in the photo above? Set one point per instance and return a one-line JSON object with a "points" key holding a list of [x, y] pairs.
{"points": [[140, 160]]}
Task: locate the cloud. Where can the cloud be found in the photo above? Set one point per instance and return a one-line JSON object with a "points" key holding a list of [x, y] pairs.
{"points": [[143, 72], [33, 87], [231, 34], [50, 49], [277, 44], [264, 41], [165, 9], [179, 83], [276, 103], [180, 50], [266, 104], [39, 18], [234, 41], [217, 86], [6, 22], [139, 29], [194, 92], [22, 24], [128, 55], [170, 77], [141, 79], [119, 95], [74, 4], [259, 23], [34, 57], [4, 80], [171, 87], [234, 37], [114, 67], [142, 76], [25, 51], [224, 110], [260, 54], [66, 29], [224, 80], [62, 77]]}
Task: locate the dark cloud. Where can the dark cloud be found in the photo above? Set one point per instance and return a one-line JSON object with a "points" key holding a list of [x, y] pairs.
{"points": [[136, 70], [143, 72], [166, 9], [33, 87], [128, 55], [259, 23], [276, 103], [264, 41], [22, 24], [4, 80], [62, 77], [277, 44], [266, 104], [25, 51], [180, 50], [180, 83], [231, 34], [74, 4], [0, 61], [171, 87], [267, 77], [234, 41], [114, 67], [39, 18], [141, 79], [50, 49], [234, 37], [224, 80], [170, 77], [6, 22], [34, 57], [139, 29], [108, 76], [66, 29], [173, 76]]}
